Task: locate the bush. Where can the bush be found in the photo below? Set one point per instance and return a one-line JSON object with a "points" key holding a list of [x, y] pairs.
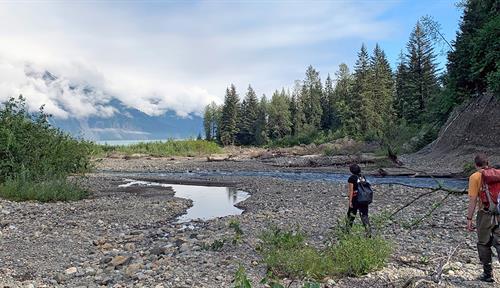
{"points": [[355, 255], [23, 188], [286, 254], [30, 145]]}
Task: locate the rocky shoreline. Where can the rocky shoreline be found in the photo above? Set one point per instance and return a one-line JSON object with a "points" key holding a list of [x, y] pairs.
{"points": [[127, 237]]}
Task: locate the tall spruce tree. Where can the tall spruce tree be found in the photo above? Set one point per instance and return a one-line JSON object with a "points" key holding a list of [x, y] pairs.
{"points": [[261, 131], [422, 81], [279, 122], [229, 120], [381, 92], [343, 99], [361, 103], [330, 118], [405, 106], [311, 97], [248, 118]]}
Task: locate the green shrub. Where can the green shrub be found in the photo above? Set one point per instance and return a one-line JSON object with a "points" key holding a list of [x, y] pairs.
{"points": [[23, 188], [286, 254], [28, 143], [355, 255]]}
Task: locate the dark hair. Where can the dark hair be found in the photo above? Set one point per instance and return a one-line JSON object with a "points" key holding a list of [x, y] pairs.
{"points": [[481, 160], [355, 169]]}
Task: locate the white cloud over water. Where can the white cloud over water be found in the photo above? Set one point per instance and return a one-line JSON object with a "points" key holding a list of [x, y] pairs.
{"points": [[173, 55]]}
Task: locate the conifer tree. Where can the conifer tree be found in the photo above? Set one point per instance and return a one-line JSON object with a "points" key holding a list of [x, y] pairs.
{"points": [[381, 92], [343, 100], [361, 103], [474, 65], [311, 93], [422, 81], [330, 118], [248, 118], [229, 120], [279, 122], [404, 105], [261, 131]]}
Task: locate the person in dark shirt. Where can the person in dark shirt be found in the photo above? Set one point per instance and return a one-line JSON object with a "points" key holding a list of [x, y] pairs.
{"points": [[354, 206]]}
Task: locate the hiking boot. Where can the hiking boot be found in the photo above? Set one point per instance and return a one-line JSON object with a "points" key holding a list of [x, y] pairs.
{"points": [[486, 277]]}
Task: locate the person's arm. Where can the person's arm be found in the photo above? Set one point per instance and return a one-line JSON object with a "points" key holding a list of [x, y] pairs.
{"points": [[351, 193], [474, 188]]}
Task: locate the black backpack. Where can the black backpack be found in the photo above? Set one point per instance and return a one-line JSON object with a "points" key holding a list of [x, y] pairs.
{"points": [[365, 192]]}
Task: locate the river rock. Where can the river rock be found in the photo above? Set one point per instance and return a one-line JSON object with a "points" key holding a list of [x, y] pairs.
{"points": [[120, 260]]}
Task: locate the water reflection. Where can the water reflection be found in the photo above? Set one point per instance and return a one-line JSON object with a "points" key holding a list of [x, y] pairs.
{"points": [[208, 202]]}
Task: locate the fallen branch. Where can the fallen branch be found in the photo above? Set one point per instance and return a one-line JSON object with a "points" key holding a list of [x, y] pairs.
{"points": [[439, 271]]}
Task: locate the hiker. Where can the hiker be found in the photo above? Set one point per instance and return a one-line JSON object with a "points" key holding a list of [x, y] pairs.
{"points": [[354, 182], [488, 232]]}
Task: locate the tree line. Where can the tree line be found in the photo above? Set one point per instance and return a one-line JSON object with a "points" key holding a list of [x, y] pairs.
{"points": [[372, 102]]}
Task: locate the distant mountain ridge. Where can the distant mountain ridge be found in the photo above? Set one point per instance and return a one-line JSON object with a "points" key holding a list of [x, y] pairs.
{"points": [[117, 120]]}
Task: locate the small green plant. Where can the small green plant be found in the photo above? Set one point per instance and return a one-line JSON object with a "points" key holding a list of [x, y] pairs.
{"points": [[423, 260], [216, 245], [238, 232], [240, 279], [469, 168]]}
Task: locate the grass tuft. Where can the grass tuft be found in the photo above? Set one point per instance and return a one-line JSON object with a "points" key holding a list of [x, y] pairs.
{"points": [[51, 190]]}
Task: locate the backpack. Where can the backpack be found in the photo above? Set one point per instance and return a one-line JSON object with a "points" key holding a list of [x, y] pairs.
{"points": [[365, 192], [490, 190]]}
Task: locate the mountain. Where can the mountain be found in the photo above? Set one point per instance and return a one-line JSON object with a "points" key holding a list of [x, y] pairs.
{"points": [[110, 119], [131, 124]]}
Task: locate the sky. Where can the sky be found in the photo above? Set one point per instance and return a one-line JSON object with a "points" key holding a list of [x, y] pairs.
{"points": [[181, 55]]}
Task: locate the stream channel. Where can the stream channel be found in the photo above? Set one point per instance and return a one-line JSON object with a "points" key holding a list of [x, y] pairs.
{"points": [[210, 202]]}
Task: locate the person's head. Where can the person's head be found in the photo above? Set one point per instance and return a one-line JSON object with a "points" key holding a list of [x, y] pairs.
{"points": [[481, 160], [355, 169]]}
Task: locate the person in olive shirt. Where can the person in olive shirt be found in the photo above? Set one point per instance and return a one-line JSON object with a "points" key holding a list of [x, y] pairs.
{"points": [[488, 232], [354, 206]]}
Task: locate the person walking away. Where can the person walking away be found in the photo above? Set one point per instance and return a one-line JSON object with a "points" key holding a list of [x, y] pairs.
{"points": [[483, 192], [360, 197]]}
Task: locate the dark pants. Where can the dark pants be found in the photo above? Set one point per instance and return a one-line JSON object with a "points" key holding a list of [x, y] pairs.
{"points": [[363, 211], [488, 235]]}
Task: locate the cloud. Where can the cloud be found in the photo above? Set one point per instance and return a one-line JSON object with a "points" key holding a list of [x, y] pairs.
{"points": [[170, 56]]}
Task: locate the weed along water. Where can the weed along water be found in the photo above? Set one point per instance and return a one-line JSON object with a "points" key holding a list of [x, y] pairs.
{"points": [[208, 201]]}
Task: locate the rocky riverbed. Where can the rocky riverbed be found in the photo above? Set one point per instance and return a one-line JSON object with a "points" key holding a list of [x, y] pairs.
{"points": [[128, 237]]}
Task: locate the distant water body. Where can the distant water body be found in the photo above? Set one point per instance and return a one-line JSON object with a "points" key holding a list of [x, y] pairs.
{"points": [[128, 142]]}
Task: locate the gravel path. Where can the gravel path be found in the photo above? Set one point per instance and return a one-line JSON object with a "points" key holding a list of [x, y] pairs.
{"points": [[127, 237]]}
